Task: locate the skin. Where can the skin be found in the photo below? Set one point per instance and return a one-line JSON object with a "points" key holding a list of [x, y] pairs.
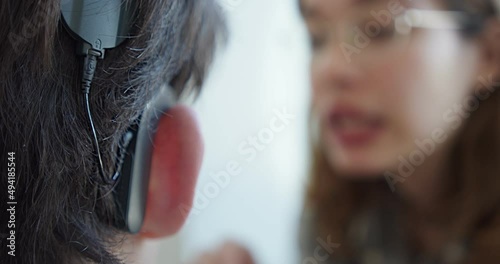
{"points": [[407, 89], [230, 252]]}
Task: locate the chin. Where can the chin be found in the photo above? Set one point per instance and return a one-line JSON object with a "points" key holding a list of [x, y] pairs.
{"points": [[357, 167], [359, 173]]}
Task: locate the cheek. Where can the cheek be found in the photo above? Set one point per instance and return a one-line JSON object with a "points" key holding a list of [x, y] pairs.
{"points": [[435, 76], [444, 74], [319, 75], [320, 90], [390, 91]]}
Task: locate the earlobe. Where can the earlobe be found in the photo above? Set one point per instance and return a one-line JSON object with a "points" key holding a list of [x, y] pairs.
{"points": [[176, 160]]}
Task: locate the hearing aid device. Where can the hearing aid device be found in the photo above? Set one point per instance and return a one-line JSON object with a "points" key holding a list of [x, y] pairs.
{"points": [[97, 26]]}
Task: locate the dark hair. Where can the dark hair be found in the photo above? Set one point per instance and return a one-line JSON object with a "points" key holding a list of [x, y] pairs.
{"points": [[62, 215]]}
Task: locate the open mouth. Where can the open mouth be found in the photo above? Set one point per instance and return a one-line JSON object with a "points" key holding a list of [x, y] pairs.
{"points": [[352, 127]]}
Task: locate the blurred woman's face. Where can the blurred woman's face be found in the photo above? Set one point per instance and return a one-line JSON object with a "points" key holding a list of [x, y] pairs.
{"points": [[382, 95]]}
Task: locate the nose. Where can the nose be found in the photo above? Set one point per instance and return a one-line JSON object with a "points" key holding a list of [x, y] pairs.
{"points": [[333, 68]]}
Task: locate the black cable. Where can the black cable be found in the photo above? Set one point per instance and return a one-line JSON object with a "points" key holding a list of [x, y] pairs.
{"points": [[89, 66], [96, 141]]}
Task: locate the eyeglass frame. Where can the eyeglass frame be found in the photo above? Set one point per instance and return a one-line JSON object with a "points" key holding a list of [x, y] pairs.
{"points": [[418, 18]]}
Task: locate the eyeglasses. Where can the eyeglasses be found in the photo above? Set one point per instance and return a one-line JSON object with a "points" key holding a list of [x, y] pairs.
{"points": [[369, 38]]}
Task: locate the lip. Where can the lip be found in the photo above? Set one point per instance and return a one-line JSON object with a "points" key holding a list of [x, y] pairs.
{"points": [[353, 127]]}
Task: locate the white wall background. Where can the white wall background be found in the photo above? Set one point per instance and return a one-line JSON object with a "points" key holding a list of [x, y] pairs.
{"points": [[262, 69]]}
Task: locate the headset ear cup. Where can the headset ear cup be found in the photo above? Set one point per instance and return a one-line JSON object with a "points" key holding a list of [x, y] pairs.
{"points": [[132, 185], [175, 166], [123, 177]]}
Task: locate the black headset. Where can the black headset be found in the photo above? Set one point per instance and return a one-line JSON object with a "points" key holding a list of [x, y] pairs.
{"points": [[98, 25]]}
